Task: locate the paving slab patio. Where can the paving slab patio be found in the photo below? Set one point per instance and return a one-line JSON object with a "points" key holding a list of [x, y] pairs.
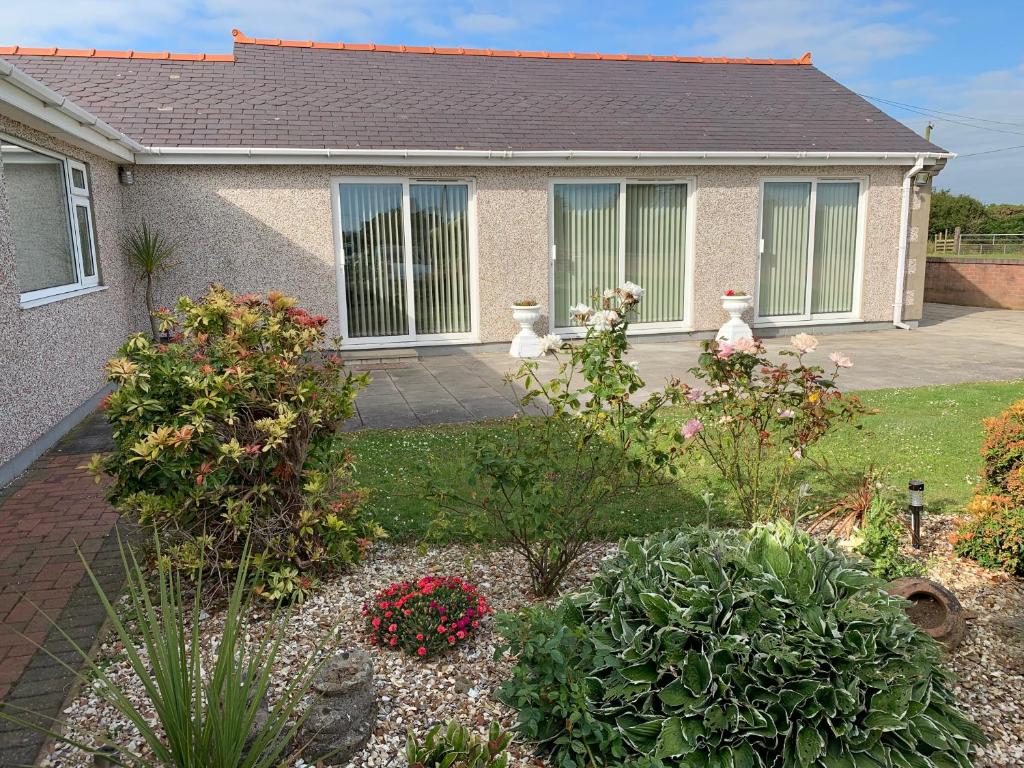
{"points": [[952, 345]]}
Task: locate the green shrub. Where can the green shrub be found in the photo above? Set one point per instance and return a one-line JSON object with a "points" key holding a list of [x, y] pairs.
{"points": [[227, 433], [1003, 450], [993, 533], [881, 539], [757, 420], [543, 479], [760, 647], [453, 746]]}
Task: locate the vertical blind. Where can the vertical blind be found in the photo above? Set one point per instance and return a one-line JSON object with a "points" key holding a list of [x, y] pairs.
{"points": [[835, 246], [440, 256], [586, 244], [784, 229], [373, 247], [786, 261], [382, 270], [656, 246], [589, 255]]}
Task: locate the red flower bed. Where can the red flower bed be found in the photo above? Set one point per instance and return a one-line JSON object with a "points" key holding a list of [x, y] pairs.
{"points": [[425, 618]]}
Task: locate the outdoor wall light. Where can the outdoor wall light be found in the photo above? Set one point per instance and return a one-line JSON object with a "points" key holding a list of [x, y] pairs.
{"points": [[915, 494], [125, 175], [922, 178]]}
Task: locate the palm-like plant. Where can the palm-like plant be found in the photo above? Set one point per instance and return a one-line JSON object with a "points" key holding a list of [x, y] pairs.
{"points": [[151, 254]]}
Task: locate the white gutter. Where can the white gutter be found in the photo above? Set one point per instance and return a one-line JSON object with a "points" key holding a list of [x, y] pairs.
{"points": [[27, 100], [901, 258], [288, 156]]}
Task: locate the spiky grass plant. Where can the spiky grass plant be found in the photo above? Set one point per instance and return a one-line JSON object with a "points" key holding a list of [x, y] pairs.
{"points": [[205, 717]]}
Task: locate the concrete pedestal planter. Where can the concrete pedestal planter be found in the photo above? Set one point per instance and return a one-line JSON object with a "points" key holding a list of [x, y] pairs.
{"points": [[526, 343], [735, 329]]}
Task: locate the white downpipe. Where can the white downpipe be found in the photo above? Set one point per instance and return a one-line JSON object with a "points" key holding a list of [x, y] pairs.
{"points": [[901, 259]]}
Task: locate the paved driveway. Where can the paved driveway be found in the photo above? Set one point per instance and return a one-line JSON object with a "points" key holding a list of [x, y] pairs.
{"points": [[953, 345]]}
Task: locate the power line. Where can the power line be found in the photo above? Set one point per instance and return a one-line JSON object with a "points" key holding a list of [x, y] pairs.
{"points": [[939, 111], [990, 151], [961, 122]]}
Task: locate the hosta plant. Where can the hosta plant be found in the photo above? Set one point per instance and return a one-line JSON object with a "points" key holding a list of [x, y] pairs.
{"points": [[757, 419], [426, 617], [227, 433], [543, 479], [759, 647], [453, 746]]}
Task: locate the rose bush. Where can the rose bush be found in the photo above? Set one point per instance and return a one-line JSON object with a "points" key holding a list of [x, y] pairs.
{"points": [[226, 433], [543, 479], [427, 617], [756, 419]]}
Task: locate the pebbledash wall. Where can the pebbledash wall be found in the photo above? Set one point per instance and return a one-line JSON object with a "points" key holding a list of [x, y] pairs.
{"points": [[52, 355], [257, 227]]}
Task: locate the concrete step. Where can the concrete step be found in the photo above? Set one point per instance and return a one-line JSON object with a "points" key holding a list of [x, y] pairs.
{"points": [[370, 359]]}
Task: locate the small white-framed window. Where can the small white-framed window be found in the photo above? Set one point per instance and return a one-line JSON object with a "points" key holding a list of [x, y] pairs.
{"points": [[50, 206]]}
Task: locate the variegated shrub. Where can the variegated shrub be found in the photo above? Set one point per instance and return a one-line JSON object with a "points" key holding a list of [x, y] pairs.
{"points": [[734, 649]]}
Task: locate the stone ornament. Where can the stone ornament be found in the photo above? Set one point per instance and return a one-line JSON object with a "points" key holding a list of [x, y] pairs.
{"points": [[341, 718]]}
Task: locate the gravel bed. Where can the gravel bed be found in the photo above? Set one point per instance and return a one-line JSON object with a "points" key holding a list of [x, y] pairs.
{"points": [[412, 692], [417, 694], [989, 664]]}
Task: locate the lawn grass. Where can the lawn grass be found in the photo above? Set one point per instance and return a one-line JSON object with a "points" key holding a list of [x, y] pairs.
{"points": [[926, 433]]}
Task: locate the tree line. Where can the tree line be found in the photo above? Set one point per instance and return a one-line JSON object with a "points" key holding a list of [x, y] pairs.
{"points": [[950, 211]]}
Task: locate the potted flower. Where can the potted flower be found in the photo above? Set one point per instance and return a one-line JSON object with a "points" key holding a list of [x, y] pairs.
{"points": [[526, 312], [735, 303]]}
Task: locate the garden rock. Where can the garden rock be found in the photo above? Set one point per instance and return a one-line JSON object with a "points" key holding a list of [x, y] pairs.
{"points": [[933, 608], [341, 719]]}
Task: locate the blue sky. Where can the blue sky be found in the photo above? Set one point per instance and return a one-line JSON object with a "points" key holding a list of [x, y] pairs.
{"points": [[961, 58]]}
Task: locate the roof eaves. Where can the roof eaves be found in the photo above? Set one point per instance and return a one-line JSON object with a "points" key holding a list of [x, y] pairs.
{"points": [[27, 96]]}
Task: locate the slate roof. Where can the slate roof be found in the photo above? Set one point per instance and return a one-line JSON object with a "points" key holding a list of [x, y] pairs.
{"points": [[286, 94]]}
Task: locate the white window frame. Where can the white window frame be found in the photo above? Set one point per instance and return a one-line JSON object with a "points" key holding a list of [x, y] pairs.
{"points": [[637, 328], [411, 339], [855, 314], [73, 196]]}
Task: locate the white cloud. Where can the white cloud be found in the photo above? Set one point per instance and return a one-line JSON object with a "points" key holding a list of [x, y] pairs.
{"points": [[845, 37], [996, 95]]}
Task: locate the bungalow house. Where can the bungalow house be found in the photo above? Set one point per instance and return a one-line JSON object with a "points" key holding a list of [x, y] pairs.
{"points": [[411, 194]]}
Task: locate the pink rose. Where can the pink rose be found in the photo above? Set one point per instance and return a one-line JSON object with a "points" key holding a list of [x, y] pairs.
{"points": [[840, 360], [725, 351], [804, 342], [691, 428]]}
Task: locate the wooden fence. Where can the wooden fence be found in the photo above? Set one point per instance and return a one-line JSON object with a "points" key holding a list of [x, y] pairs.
{"points": [[980, 244]]}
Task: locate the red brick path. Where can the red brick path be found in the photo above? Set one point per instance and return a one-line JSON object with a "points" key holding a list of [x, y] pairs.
{"points": [[54, 508]]}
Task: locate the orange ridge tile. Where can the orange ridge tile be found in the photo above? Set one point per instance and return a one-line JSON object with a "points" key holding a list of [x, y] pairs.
{"points": [[242, 39], [93, 53]]}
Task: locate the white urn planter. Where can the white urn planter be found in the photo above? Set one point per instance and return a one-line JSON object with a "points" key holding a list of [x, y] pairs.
{"points": [[526, 343], [734, 328]]}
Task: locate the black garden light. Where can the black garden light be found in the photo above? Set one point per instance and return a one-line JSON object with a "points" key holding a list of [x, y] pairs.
{"points": [[915, 497]]}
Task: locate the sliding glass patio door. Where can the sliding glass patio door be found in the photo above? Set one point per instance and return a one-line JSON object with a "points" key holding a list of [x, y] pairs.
{"points": [[607, 232], [809, 249], [406, 261]]}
